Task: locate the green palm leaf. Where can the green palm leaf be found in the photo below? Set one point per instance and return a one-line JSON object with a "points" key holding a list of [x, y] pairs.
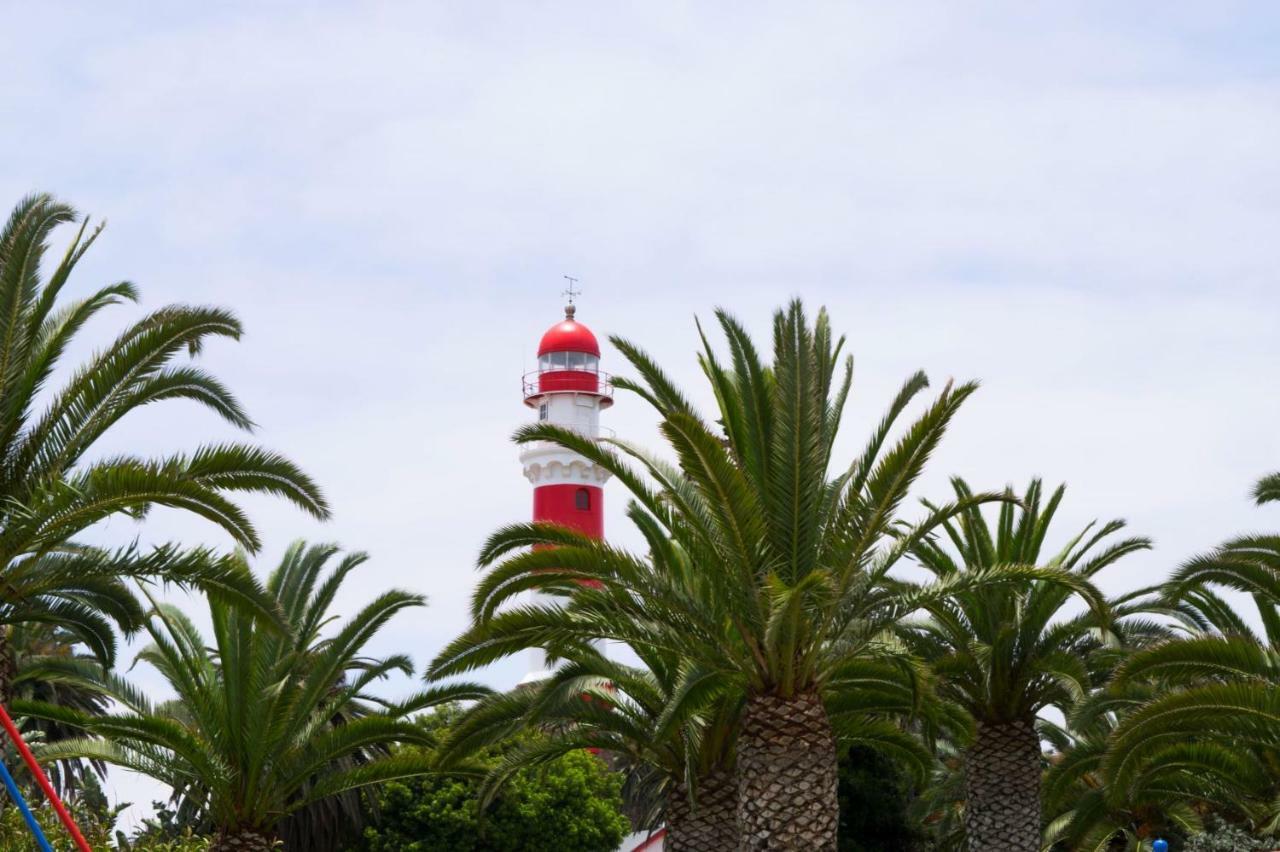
{"points": [[54, 481], [269, 723]]}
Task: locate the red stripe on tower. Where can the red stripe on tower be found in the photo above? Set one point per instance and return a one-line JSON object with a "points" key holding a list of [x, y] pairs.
{"points": [[569, 390], [576, 506]]}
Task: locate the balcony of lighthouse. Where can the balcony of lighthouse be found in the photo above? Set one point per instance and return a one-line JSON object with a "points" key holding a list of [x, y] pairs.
{"points": [[568, 373]]}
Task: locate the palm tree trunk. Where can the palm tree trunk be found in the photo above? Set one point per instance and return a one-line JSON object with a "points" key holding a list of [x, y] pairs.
{"points": [[8, 667], [787, 785], [1002, 788], [710, 824], [242, 840]]}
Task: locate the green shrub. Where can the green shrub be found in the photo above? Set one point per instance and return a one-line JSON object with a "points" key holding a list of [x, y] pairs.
{"points": [[571, 805], [187, 843], [14, 833], [96, 827]]}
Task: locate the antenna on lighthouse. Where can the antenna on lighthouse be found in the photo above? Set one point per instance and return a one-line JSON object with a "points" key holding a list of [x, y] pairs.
{"points": [[570, 293]]}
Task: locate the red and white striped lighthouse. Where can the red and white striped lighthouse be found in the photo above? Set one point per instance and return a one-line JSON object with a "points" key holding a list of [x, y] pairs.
{"points": [[569, 390]]}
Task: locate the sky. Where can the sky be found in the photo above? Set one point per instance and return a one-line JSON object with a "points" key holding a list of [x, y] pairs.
{"points": [[1074, 203]]}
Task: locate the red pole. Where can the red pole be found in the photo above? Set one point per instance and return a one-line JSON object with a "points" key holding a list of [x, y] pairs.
{"points": [[30, 759]]}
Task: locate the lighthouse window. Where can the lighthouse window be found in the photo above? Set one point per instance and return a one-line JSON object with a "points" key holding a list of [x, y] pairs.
{"points": [[577, 360], [590, 363], [559, 360], [542, 411], [582, 500], [544, 361]]}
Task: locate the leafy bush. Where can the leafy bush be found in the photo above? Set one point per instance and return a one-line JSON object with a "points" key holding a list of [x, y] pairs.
{"points": [[571, 805], [96, 826], [187, 843], [14, 833]]}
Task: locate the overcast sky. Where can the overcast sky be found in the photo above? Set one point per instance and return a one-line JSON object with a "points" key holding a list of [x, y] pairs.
{"points": [[1077, 206]]}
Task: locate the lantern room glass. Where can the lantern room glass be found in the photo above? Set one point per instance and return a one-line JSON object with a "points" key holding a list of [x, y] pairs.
{"points": [[579, 361]]}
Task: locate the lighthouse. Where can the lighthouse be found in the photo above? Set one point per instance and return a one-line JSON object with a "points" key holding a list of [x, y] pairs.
{"points": [[568, 390]]}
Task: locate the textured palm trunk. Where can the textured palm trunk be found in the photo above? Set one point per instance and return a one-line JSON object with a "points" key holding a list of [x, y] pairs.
{"points": [[787, 785], [242, 840], [8, 667], [1002, 787], [710, 824]]}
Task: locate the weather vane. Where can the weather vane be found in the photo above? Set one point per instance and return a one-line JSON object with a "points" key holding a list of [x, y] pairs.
{"points": [[572, 292]]}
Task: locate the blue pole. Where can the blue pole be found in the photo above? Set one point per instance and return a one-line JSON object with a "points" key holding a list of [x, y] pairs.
{"points": [[16, 795]]}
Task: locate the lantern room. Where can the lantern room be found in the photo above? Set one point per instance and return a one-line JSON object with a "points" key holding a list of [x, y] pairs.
{"points": [[569, 363]]}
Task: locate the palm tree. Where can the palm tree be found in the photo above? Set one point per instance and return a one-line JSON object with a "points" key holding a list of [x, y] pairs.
{"points": [[777, 572], [1218, 689], [1005, 652], [939, 806], [53, 488], [667, 726], [266, 724]]}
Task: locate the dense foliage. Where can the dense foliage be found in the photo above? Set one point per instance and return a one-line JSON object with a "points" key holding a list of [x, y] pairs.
{"points": [[96, 819], [499, 799], [15, 835], [570, 804], [875, 798], [166, 828]]}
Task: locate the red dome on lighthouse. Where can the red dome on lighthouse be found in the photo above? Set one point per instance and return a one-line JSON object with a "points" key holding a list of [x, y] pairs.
{"points": [[569, 336]]}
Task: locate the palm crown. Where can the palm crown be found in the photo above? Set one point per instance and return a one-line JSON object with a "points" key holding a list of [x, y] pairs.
{"points": [[1083, 807], [266, 723], [1005, 651], [52, 489], [1217, 691]]}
